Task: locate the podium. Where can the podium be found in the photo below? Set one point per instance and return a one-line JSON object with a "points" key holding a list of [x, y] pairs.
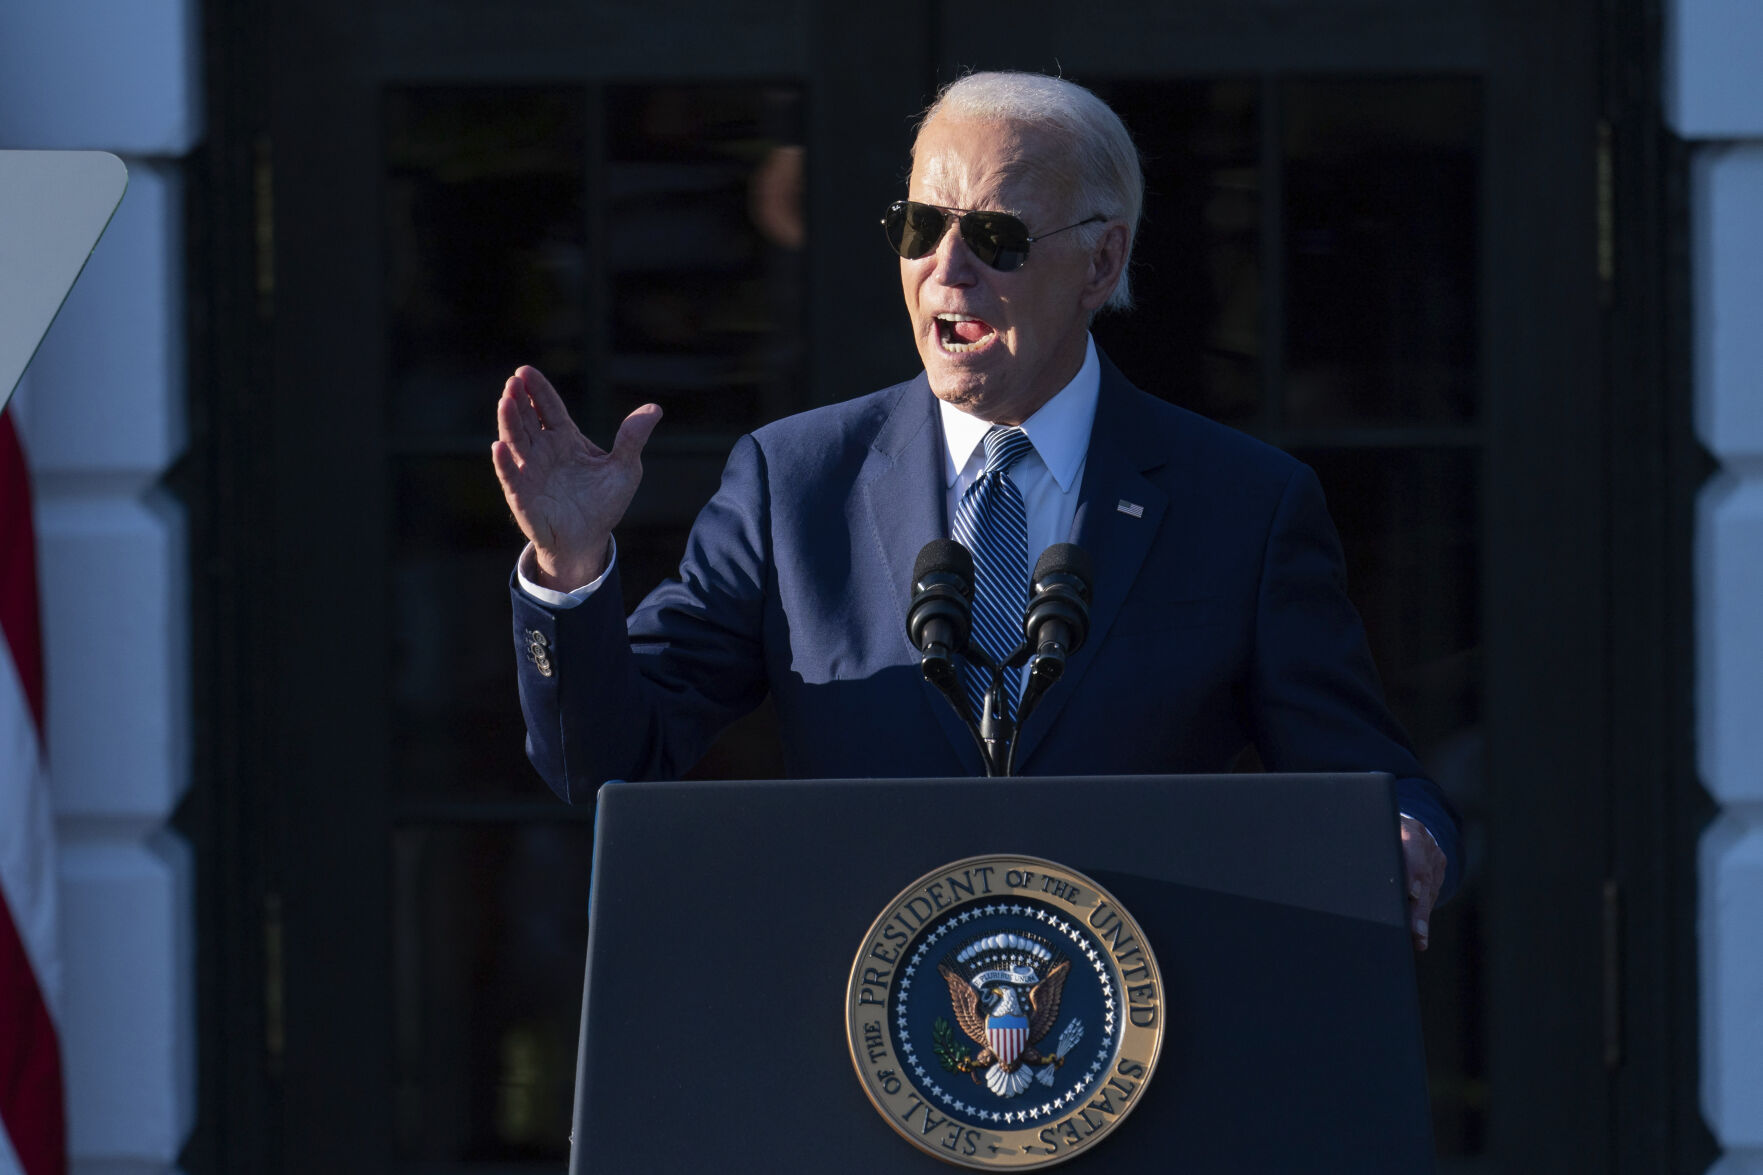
{"points": [[725, 919]]}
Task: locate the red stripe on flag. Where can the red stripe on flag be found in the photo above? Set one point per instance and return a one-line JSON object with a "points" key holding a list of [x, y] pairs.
{"points": [[31, 1110], [30, 1061], [18, 572]]}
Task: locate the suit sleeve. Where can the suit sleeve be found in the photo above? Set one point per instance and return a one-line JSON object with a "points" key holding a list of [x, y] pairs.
{"points": [[1316, 701], [609, 699]]}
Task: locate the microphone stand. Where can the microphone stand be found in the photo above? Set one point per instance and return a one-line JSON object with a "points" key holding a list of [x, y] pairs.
{"points": [[997, 730], [939, 669], [1043, 671], [1058, 615]]}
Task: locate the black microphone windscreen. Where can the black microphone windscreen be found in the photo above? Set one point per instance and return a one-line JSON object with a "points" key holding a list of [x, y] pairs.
{"points": [[1065, 559], [944, 557]]}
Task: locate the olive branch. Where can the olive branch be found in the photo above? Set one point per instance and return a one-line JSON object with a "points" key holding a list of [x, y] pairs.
{"points": [[953, 1057]]}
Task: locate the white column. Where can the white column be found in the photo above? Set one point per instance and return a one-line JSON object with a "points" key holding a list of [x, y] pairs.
{"points": [[103, 417], [1714, 97]]}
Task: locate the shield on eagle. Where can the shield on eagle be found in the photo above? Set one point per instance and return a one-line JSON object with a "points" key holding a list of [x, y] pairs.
{"points": [[1007, 1035]]}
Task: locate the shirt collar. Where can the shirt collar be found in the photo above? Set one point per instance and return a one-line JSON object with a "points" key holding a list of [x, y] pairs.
{"points": [[1059, 430]]}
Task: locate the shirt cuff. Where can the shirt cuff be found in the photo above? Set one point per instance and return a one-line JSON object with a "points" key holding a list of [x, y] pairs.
{"points": [[550, 597]]}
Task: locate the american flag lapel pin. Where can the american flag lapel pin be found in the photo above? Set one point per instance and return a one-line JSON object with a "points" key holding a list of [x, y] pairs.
{"points": [[1131, 508]]}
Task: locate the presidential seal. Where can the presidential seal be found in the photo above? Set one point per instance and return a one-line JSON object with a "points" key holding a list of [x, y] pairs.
{"points": [[1004, 1011]]}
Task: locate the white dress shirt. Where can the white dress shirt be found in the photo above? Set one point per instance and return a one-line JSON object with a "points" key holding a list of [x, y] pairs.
{"points": [[1050, 476]]}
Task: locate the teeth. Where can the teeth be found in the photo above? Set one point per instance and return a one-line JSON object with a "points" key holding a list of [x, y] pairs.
{"points": [[948, 343]]}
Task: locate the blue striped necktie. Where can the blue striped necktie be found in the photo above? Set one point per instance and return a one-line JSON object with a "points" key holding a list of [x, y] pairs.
{"points": [[992, 522]]}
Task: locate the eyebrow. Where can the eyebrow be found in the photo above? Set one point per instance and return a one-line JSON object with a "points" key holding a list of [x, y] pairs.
{"points": [[999, 206]]}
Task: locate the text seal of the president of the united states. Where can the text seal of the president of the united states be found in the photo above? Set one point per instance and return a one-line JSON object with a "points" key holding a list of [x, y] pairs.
{"points": [[1004, 1011]]}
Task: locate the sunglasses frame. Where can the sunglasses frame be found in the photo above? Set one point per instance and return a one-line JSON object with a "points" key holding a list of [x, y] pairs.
{"points": [[968, 222]]}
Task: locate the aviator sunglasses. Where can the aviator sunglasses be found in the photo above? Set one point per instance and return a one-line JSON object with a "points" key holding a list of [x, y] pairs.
{"points": [[996, 238]]}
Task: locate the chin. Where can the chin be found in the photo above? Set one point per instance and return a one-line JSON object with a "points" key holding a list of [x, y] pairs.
{"points": [[978, 385], [967, 394]]}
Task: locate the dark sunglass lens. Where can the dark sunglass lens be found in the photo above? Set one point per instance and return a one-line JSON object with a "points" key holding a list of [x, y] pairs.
{"points": [[894, 225], [996, 238], [914, 229]]}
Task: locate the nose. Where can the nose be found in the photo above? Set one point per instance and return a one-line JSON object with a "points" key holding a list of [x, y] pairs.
{"points": [[956, 266]]}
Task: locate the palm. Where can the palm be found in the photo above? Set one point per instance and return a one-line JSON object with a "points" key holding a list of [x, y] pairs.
{"points": [[566, 493], [568, 489]]}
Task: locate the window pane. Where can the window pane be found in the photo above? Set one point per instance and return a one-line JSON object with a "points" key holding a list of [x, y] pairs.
{"points": [[1410, 524], [486, 244], [456, 725], [703, 234], [1380, 234], [490, 931], [1195, 336]]}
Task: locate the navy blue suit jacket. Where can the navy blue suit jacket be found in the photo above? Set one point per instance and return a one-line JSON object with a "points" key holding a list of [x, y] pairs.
{"points": [[1220, 617]]}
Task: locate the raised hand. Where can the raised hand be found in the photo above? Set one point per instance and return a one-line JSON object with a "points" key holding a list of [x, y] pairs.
{"points": [[566, 493]]}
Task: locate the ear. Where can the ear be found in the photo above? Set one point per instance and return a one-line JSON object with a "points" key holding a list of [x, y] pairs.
{"points": [[1107, 260]]}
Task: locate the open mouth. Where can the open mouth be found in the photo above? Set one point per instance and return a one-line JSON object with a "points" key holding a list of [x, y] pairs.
{"points": [[963, 332]]}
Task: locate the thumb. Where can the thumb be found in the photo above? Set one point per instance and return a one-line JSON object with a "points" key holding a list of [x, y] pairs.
{"points": [[633, 434]]}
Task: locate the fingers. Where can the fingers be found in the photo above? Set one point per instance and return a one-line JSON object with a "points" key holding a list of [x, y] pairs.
{"points": [[1421, 897], [507, 468], [633, 434], [545, 400], [509, 472], [516, 425]]}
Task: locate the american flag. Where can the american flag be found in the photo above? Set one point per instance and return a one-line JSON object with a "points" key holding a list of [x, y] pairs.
{"points": [[32, 1126]]}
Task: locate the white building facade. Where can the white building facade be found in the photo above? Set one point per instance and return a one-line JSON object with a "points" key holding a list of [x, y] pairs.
{"points": [[1714, 99], [102, 412]]}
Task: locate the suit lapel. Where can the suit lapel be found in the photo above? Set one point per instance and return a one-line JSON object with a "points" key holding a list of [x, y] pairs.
{"points": [[1125, 442], [902, 491]]}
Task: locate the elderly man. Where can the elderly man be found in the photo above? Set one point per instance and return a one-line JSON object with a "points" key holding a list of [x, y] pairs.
{"points": [[1219, 616]]}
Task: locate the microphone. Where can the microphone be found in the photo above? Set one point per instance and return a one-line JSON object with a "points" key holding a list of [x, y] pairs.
{"points": [[1058, 616], [941, 614]]}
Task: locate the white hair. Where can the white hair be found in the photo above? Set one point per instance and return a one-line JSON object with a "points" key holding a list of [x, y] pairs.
{"points": [[1100, 162]]}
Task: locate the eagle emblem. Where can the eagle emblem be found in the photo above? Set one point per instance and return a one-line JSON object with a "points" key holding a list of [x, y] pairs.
{"points": [[1004, 990], [989, 1016]]}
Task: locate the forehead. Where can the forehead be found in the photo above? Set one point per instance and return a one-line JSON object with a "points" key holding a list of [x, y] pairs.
{"points": [[972, 163]]}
